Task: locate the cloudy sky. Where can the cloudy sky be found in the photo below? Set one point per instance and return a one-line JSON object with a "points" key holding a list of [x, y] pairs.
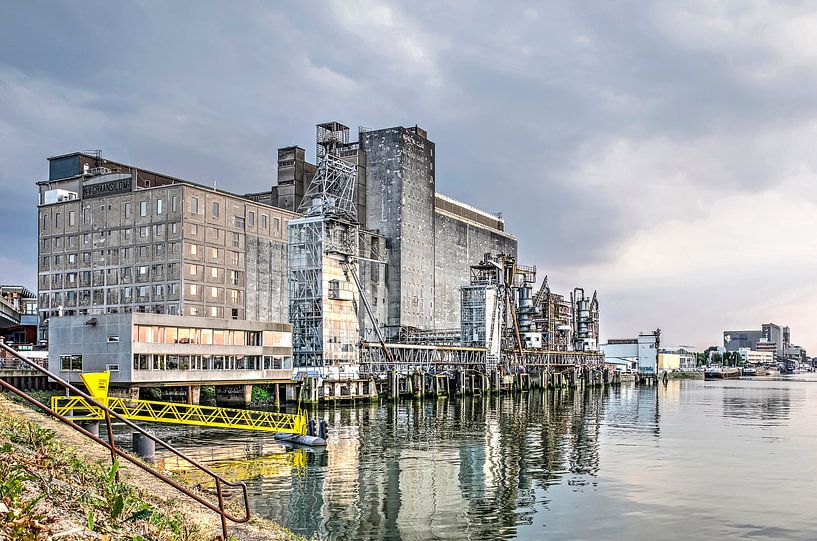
{"points": [[660, 152]]}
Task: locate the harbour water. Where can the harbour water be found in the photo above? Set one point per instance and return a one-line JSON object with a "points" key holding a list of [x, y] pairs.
{"points": [[689, 460]]}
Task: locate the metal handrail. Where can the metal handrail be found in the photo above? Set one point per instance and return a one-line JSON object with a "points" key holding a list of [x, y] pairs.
{"points": [[115, 451]]}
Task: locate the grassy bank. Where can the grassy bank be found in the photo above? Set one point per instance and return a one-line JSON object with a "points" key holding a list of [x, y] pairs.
{"points": [[57, 484]]}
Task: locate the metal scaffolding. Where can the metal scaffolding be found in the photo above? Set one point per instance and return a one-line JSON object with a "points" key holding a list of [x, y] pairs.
{"points": [[324, 322]]}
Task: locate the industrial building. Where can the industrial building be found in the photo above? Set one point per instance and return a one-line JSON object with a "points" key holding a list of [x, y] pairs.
{"points": [[356, 250], [770, 338], [640, 353]]}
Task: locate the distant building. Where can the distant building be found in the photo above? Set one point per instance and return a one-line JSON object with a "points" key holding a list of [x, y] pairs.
{"points": [[676, 359], [756, 357], [770, 337], [640, 353], [18, 316]]}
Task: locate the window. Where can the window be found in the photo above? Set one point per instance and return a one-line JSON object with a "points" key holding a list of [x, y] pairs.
{"points": [[213, 272], [194, 229], [214, 292], [86, 215], [112, 368], [72, 217], [58, 219], [113, 338], [45, 222], [71, 363], [193, 269], [263, 221], [144, 231], [174, 228], [238, 221], [194, 290], [174, 204], [86, 238], [142, 270], [215, 209], [214, 253], [234, 259], [277, 223], [128, 210], [194, 249], [159, 230], [251, 218], [143, 251], [236, 240], [72, 259], [160, 206], [143, 208]]}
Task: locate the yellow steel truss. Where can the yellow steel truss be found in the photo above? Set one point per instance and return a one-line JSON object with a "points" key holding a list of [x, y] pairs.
{"points": [[79, 409]]}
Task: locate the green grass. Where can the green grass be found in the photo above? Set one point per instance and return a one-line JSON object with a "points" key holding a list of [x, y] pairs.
{"points": [[43, 481]]}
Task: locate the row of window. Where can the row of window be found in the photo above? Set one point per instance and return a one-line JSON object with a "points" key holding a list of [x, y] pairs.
{"points": [[88, 213], [109, 296], [163, 308], [109, 257], [157, 334], [111, 277], [100, 238], [209, 362], [237, 221]]}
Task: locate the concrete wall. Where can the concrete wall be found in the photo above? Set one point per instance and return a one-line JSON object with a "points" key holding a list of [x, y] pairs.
{"points": [[400, 205], [69, 335], [458, 244], [267, 288]]}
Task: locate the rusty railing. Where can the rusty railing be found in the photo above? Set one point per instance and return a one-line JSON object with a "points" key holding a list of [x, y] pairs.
{"points": [[220, 482]]}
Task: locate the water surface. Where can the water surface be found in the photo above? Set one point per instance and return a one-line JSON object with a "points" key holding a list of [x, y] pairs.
{"points": [[689, 460]]}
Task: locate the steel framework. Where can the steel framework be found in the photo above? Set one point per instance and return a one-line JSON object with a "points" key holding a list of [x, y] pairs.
{"points": [[406, 358], [319, 242]]}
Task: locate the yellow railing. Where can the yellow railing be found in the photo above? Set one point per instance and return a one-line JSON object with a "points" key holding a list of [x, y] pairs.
{"points": [[78, 409]]}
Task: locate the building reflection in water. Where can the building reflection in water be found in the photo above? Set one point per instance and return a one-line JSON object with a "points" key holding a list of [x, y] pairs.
{"points": [[756, 405], [470, 468]]}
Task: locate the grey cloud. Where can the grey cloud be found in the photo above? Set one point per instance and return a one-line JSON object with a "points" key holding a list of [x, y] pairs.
{"points": [[518, 96]]}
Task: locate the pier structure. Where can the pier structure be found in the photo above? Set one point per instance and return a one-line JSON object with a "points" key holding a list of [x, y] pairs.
{"points": [[342, 272]]}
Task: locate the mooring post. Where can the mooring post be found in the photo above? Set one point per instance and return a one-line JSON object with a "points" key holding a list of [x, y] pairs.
{"points": [[144, 447]]}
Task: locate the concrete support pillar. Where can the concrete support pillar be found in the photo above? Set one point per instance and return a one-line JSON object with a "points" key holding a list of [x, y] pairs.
{"points": [[373, 394], [91, 426], [277, 395], [133, 392], [144, 447], [194, 395]]}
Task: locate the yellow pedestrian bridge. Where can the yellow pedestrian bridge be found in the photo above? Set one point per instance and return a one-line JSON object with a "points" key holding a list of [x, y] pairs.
{"points": [[78, 408]]}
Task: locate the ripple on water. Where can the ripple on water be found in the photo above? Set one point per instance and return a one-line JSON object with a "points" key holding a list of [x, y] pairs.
{"points": [[693, 459]]}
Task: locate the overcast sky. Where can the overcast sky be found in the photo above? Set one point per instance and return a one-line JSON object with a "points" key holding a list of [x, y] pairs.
{"points": [[660, 152]]}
